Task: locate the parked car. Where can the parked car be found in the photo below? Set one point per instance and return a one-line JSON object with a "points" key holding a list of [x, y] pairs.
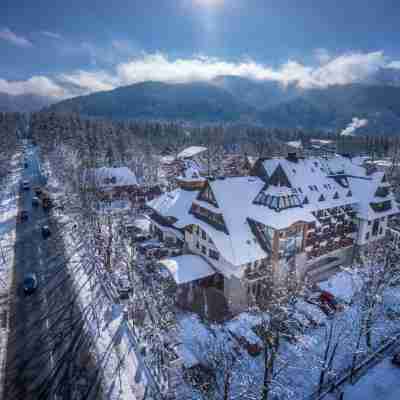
{"points": [[25, 185], [45, 231], [141, 237], [30, 283], [396, 359], [37, 190], [35, 201], [22, 216]]}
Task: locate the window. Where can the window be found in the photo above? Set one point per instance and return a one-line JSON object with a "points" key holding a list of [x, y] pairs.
{"points": [[367, 236], [204, 250], [383, 206], [349, 193], [369, 222], [198, 245], [300, 190], [209, 240], [213, 254], [380, 231], [203, 235], [336, 196], [311, 188], [375, 227]]}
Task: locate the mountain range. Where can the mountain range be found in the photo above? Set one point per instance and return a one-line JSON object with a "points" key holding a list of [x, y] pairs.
{"points": [[23, 102], [238, 99]]}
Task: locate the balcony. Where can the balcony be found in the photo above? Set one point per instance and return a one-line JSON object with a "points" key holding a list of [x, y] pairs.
{"points": [[258, 273]]}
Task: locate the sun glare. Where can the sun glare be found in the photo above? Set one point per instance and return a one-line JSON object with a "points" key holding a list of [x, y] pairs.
{"points": [[208, 3]]}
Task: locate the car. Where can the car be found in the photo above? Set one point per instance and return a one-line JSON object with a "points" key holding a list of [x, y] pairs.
{"points": [[45, 231], [25, 185], [35, 201], [140, 238], [30, 283], [396, 359], [22, 216], [37, 190], [124, 288]]}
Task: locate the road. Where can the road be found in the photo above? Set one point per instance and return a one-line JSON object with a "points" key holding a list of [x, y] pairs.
{"points": [[38, 362]]}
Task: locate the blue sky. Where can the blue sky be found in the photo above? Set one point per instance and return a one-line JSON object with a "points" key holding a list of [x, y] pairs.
{"points": [[62, 48]]}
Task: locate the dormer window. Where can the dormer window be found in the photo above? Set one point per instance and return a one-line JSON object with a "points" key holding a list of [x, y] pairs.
{"points": [[349, 194], [382, 191], [336, 196], [305, 201], [321, 198]]}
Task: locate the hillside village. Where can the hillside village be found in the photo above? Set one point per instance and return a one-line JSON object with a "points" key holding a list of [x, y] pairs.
{"points": [[214, 269]]}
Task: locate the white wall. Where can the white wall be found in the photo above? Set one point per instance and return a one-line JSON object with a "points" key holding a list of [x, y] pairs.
{"points": [[367, 228]]}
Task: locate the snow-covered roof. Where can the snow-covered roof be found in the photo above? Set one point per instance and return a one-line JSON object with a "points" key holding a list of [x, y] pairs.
{"points": [[313, 177], [187, 268], [175, 204], [191, 151], [107, 177], [295, 144], [344, 285], [309, 179]]}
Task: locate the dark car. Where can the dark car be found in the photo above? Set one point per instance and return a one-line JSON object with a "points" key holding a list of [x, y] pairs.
{"points": [[25, 185], [396, 359], [22, 216], [45, 231], [35, 201], [30, 283]]}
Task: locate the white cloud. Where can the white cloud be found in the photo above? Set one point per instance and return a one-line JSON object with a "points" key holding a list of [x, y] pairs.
{"points": [[39, 85], [51, 35], [347, 68], [87, 82], [11, 37], [394, 64], [322, 55], [344, 69], [355, 124]]}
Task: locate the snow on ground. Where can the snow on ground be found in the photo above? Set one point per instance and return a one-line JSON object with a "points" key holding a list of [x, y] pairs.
{"points": [[114, 344], [8, 212], [380, 383], [343, 285], [300, 361]]}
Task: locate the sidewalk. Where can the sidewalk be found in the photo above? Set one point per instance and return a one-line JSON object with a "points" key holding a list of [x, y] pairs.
{"points": [[8, 212]]}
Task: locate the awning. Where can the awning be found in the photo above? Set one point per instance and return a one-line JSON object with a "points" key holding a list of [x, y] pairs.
{"points": [[187, 268]]}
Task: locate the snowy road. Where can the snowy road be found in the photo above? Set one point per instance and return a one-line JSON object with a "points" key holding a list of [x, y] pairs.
{"points": [[38, 335]]}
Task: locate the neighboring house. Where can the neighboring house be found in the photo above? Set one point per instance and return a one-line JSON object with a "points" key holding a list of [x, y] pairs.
{"points": [[113, 182], [294, 215], [120, 183]]}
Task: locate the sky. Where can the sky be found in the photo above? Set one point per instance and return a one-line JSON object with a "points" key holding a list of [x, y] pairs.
{"points": [[65, 48]]}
